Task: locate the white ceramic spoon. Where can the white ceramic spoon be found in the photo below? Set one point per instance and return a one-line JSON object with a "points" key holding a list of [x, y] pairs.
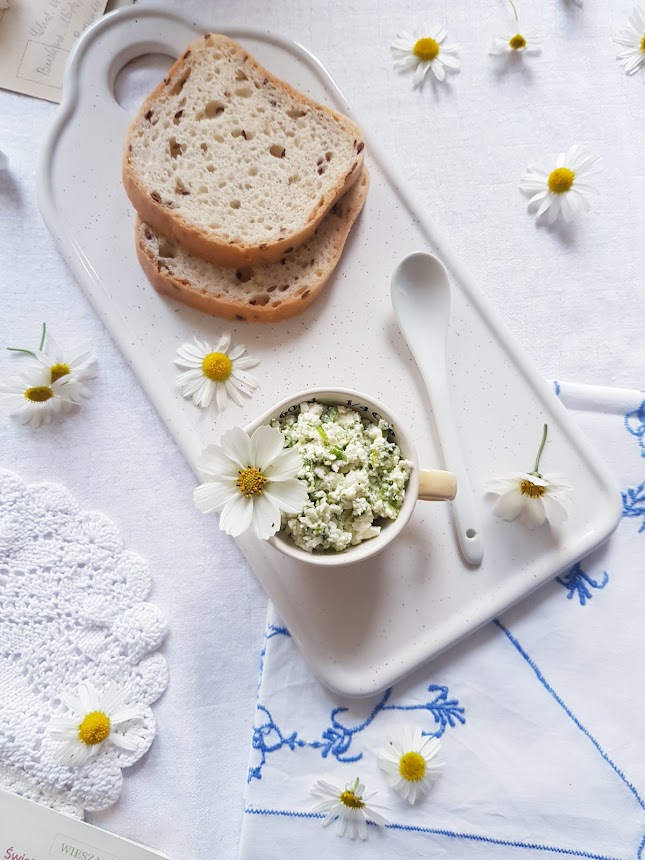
{"points": [[421, 300]]}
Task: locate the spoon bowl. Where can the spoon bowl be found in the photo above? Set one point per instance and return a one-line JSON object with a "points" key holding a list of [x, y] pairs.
{"points": [[421, 301]]}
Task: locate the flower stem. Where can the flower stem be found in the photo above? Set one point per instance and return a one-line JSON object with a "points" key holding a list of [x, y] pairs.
{"points": [[26, 351], [512, 5], [539, 453], [29, 351]]}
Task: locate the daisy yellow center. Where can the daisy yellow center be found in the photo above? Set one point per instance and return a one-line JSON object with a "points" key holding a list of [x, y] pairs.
{"points": [[251, 481], [94, 729], [561, 180], [39, 394], [426, 49], [533, 491], [412, 766], [58, 370], [217, 366], [351, 800], [517, 42], [643, 43]]}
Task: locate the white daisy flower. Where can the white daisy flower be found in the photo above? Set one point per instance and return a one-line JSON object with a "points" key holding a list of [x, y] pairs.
{"points": [[350, 807], [530, 497], [251, 480], [408, 762], [73, 366], [528, 42], [563, 191], [34, 399], [423, 50], [633, 40], [220, 371], [97, 720]]}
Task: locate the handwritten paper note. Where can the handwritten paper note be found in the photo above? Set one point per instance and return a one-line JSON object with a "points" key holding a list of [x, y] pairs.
{"points": [[36, 37]]}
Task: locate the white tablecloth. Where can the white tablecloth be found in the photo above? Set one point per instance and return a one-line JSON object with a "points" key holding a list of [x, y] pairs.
{"points": [[571, 297]]}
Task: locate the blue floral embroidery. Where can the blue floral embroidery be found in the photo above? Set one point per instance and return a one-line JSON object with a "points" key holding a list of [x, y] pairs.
{"points": [[578, 582], [635, 424], [267, 738], [274, 630], [556, 387], [634, 503], [337, 738]]}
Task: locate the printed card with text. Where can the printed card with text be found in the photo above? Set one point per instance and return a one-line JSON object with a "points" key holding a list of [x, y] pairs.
{"points": [[36, 37], [32, 832]]}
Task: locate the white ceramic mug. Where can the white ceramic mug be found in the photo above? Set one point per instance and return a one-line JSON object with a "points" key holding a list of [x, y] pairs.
{"points": [[424, 484]]}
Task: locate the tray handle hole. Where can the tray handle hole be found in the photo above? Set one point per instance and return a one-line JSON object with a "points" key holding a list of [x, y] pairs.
{"points": [[471, 533], [138, 78]]}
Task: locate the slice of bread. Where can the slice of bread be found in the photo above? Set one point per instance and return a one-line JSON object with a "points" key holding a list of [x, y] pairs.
{"points": [[233, 163], [267, 293]]}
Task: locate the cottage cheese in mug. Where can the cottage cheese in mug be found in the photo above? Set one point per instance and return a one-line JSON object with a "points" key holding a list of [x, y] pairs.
{"points": [[354, 471]]}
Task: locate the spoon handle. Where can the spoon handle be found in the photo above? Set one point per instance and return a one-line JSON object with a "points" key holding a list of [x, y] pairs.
{"points": [[463, 506]]}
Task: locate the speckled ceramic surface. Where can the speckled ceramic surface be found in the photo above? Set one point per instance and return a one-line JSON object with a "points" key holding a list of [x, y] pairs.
{"points": [[363, 627]]}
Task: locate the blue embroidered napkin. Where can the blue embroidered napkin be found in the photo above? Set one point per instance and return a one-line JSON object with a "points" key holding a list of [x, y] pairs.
{"points": [[541, 714]]}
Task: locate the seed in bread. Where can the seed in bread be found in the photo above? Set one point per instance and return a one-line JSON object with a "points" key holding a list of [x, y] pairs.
{"points": [[265, 293], [234, 163]]}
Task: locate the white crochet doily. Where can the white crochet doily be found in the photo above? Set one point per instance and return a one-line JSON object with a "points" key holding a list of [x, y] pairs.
{"points": [[71, 610]]}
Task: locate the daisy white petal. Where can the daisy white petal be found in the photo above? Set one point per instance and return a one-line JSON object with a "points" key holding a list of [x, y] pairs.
{"points": [[424, 51], [233, 392], [33, 398], [215, 373], [125, 742], [90, 726], [221, 397], [557, 194], [348, 807], [408, 761], [438, 70], [516, 44], [632, 38], [224, 342]]}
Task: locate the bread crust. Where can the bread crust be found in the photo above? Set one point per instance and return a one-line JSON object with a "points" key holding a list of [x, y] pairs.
{"points": [[197, 242], [166, 283]]}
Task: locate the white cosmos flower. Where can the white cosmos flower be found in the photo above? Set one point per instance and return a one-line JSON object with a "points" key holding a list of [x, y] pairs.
{"points": [[632, 39], [218, 371], [525, 42], [96, 720], [532, 499], [251, 480], [350, 807], [562, 191], [74, 365], [34, 399], [408, 762], [425, 49]]}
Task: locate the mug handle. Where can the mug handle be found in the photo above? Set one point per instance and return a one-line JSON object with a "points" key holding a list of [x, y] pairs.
{"points": [[436, 485]]}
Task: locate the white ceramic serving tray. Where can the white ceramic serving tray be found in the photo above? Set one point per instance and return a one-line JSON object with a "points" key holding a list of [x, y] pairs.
{"points": [[360, 628]]}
